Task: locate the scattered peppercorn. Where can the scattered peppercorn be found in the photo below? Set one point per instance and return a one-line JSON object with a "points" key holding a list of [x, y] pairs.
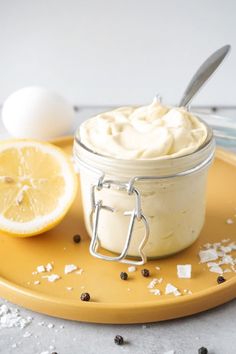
{"points": [[220, 279], [145, 273], [202, 350], [123, 275], [77, 238], [54, 353], [85, 297], [119, 340]]}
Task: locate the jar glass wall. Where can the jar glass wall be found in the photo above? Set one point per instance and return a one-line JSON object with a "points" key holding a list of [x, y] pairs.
{"points": [[172, 194]]}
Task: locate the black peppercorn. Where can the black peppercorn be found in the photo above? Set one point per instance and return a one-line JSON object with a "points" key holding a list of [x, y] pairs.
{"points": [[54, 353], [145, 273], [119, 340], [85, 297], [202, 350], [220, 279], [76, 239], [123, 275]]}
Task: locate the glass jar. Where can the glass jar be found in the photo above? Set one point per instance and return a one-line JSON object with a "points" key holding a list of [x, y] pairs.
{"points": [[143, 208]]}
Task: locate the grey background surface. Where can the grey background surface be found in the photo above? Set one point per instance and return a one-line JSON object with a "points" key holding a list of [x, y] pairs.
{"points": [[116, 52]]}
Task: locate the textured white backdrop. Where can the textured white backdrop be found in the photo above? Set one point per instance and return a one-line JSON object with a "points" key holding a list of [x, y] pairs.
{"points": [[115, 52]]}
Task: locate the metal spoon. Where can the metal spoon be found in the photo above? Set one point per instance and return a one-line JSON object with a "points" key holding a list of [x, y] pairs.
{"points": [[203, 74]]}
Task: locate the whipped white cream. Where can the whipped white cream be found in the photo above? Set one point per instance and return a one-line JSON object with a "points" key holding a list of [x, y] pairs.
{"points": [[149, 132]]}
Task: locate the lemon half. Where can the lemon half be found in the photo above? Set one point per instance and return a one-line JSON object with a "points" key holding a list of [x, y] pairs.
{"points": [[37, 186]]}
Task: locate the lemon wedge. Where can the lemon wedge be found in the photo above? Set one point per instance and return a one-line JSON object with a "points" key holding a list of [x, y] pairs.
{"points": [[37, 186]]}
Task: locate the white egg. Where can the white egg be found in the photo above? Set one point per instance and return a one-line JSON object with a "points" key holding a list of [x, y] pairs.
{"points": [[38, 113]]}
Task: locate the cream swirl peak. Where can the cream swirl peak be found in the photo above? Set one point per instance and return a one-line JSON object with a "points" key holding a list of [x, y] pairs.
{"points": [[149, 132]]}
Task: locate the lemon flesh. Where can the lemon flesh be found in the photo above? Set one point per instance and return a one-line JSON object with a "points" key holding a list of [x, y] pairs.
{"points": [[37, 186]]}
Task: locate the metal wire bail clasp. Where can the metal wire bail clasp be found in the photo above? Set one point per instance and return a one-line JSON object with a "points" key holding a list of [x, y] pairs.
{"points": [[135, 214]]}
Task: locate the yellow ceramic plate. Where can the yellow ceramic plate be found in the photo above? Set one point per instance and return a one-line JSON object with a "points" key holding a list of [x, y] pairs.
{"points": [[114, 300]]}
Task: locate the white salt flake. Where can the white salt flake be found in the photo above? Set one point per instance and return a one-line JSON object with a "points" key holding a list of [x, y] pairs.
{"points": [[220, 253], [50, 325], [155, 291], [224, 256], [208, 255], [212, 264], [229, 221], [36, 282], [227, 259], [177, 293], [41, 323], [27, 334], [52, 278], [45, 352], [170, 352], [33, 273], [14, 345], [184, 270], [49, 267], [4, 309], [10, 317], [225, 240], [226, 249], [216, 245], [233, 246], [158, 268], [216, 269], [233, 268], [69, 288], [153, 283], [131, 269], [69, 268], [80, 271], [207, 245], [41, 269], [171, 289]]}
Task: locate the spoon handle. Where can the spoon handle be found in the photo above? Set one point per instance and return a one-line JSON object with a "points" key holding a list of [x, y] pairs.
{"points": [[203, 74]]}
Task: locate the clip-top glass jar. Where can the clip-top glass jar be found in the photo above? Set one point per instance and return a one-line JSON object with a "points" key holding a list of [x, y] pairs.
{"points": [[143, 208]]}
